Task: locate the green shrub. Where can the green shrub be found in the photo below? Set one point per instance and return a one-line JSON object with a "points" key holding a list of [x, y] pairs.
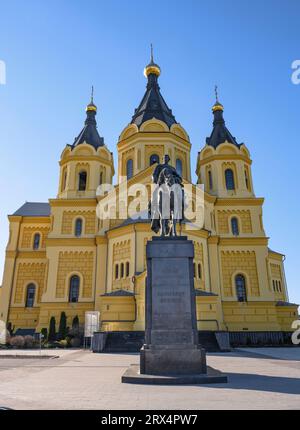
{"points": [[49, 345], [76, 342], [68, 339], [10, 328], [59, 344], [44, 332], [63, 343], [52, 330], [17, 341], [77, 331], [75, 322], [29, 341], [62, 330]]}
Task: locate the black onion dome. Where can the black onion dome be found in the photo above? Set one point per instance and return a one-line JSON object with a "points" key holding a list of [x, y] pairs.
{"points": [[153, 104], [220, 132], [89, 133]]}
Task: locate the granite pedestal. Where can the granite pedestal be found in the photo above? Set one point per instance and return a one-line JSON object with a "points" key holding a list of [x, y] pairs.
{"points": [[171, 351]]}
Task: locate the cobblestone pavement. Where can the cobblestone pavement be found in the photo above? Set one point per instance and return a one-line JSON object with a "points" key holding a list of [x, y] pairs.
{"points": [[266, 378]]}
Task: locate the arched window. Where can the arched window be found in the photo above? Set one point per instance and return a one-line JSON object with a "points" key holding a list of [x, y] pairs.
{"points": [[82, 181], [154, 159], [279, 285], [129, 168], [240, 285], [246, 179], [30, 293], [210, 181], [64, 182], [127, 269], [179, 166], [199, 271], [274, 285], [36, 241], [101, 178], [194, 266], [116, 271], [78, 227], [235, 226], [229, 179], [74, 289], [122, 270]]}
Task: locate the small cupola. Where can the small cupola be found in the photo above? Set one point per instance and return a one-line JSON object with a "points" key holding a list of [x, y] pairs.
{"points": [[89, 134], [220, 132]]}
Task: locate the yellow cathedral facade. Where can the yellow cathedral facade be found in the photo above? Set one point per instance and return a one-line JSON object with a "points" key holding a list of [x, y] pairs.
{"points": [[61, 257]]}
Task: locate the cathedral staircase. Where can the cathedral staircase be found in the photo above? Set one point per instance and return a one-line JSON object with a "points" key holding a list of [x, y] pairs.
{"points": [[208, 340], [132, 341], [124, 341]]}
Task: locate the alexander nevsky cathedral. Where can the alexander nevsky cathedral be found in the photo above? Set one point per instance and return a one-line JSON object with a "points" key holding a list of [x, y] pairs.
{"points": [[62, 257]]}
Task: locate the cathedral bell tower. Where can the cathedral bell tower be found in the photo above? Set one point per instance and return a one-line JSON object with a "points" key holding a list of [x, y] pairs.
{"points": [[87, 163], [223, 165]]}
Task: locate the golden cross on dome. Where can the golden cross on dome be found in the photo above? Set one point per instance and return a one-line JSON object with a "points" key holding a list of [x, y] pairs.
{"points": [[92, 94], [216, 93]]}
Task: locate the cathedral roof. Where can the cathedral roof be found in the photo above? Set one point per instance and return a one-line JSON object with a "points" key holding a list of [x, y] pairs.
{"points": [[118, 293], [89, 134], [153, 104], [33, 209], [204, 293], [220, 132], [281, 303]]}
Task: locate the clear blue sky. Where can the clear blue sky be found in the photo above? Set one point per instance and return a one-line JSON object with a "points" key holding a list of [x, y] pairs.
{"points": [[55, 50]]}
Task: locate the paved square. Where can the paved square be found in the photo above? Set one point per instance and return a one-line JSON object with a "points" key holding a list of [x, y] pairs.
{"points": [[259, 378]]}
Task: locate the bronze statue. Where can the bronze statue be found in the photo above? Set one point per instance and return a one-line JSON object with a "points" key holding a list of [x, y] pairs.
{"points": [[166, 207]]}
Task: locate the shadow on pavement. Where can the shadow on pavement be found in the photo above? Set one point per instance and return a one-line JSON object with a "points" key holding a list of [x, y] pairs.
{"points": [[248, 381], [253, 354]]}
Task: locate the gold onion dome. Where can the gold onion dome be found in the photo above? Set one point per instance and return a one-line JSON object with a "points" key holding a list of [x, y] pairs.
{"points": [[91, 107], [217, 106], [152, 68]]}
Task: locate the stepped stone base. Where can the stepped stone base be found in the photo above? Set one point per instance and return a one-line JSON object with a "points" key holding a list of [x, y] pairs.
{"points": [[212, 376]]}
